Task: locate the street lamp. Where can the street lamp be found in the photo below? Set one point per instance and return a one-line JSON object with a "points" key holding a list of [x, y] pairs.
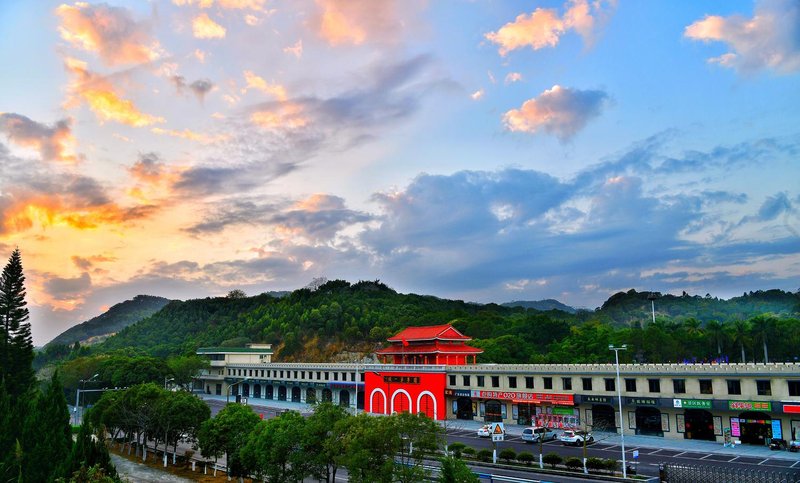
{"points": [[619, 401], [228, 394], [167, 380], [78, 396]]}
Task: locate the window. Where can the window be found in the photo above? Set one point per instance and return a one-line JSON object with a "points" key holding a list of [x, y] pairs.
{"points": [[335, 376], [528, 382], [587, 383], [654, 385], [548, 383], [326, 375], [763, 388], [452, 379], [630, 385], [512, 382], [465, 381], [610, 386], [295, 374], [794, 388], [282, 375], [319, 375], [706, 387], [353, 376], [566, 383], [302, 374], [262, 372], [251, 373], [344, 376], [480, 380], [734, 386], [679, 386], [362, 377], [495, 381]]}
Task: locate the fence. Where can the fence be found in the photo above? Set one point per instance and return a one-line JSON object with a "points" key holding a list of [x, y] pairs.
{"points": [[724, 474]]}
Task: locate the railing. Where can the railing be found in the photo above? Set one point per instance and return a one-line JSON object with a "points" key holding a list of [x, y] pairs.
{"points": [[721, 474]]}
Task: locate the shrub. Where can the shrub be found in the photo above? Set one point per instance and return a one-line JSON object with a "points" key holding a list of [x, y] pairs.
{"points": [[485, 455], [525, 458], [552, 459], [574, 463], [595, 464], [469, 451], [507, 455], [456, 449], [611, 464]]}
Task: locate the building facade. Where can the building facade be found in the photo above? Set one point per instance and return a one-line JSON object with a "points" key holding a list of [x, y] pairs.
{"points": [[717, 402]]}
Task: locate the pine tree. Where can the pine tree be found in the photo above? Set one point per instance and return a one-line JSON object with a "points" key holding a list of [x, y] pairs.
{"points": [[8, 432], [16, 343], [47, 434]]}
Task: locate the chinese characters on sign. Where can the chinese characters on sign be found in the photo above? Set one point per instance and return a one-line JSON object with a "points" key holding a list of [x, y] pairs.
{"points": [[750, 406]]}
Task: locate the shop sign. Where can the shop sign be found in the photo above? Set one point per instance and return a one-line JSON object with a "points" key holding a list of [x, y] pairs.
{"points": [[564, 411], [776, 429], [735, 431], [791, 408], [458, 392], [641, 401], [692, 403], [526, 397], [596, 399], [750, 405], [320, 384]]}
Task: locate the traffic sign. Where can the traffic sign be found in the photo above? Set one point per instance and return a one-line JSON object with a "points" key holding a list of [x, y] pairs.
{"points": [[635, 453], [497, 431], [244, 401]]}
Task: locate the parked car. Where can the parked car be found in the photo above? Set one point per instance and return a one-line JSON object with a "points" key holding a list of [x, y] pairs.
{"points": [[532, 435], [576, 438], [483, 431]]}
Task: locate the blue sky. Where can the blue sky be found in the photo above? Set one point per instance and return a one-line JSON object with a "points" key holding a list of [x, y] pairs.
{"points": [[480, 150]]}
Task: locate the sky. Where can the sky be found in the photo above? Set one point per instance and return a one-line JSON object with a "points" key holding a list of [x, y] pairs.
{"points": [[479, 150]]}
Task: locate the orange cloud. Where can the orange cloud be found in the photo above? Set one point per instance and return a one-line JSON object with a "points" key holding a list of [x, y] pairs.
{"points": [[285, 115], [257, 5], [353, 22], [205, 28], [512, 77], [256, 82], [190, 135], [102, 99], [111, 32], [544, 27], [296, 49], [561, 111], [52, 211], [53, 143]]}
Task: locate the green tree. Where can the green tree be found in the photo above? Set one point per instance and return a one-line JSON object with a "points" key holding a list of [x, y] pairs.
{"points": [[418, 435], [763, 329], [89, 452], [552, 459], [740, 333], [179, 416], [226, 434], [456, 471], [322, 440], [184, 368], [273, 450], [46, 434], [368, 448], [16, 343]]}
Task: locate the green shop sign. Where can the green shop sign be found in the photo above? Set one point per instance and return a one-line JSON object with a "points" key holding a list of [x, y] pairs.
{"points": [[692, 403], [641, 401], [563, 411], [750, 405]]}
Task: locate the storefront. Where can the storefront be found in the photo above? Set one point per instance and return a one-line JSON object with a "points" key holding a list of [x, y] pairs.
{"points": [[600, 415], [646, 419], [754, 425], [462, 405], [415, 392], [792, 409], [696, 421], [527, 408]]}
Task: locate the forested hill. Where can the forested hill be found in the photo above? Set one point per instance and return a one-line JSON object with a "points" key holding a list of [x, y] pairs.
{"points": [[113, 320], [342, 320], [547, 304]]}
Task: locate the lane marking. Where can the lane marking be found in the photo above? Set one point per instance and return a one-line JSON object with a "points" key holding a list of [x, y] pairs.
{"points": [[679, 454], [706, 456]]}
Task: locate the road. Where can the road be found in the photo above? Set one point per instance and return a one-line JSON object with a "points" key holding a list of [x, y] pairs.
{"points": [[648, 461]]}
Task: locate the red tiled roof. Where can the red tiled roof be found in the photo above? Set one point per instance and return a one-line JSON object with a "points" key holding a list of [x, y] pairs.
{"points": [[431, 332], [430, 349]]}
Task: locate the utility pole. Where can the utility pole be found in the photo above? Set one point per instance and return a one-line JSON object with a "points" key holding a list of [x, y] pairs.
{"points": [[619, 401]]}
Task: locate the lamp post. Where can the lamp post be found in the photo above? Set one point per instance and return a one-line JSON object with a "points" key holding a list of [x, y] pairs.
{"points": [[166, 380], [619, 401], [228, 394], [78, 397]]}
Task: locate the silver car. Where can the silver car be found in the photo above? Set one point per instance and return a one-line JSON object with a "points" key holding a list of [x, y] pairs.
{"points": [[533, 435]]}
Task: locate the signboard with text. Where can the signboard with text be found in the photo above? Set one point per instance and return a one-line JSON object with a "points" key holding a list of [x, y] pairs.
{"points": [[750, 405], [641, 401], [692, 403], [527, 397]]}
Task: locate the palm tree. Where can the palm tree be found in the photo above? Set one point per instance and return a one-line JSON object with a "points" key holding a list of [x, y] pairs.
{"points": [[763, 326], [717, 332], [740, 332]]}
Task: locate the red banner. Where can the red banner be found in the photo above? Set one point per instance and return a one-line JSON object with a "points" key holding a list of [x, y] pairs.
{"points": [[529, 397]]}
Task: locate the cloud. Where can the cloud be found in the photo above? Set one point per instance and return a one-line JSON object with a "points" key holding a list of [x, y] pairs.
{"points": [[477, 95], [205, 28], [259, 83], [560, 110], [87, 263], [102, 98], [354, 22], [768, 40], [544, 27], [199, 88], [54, 143], [111, 32], [512, 77], [190, 135], [257, 5], [67, 288], [295, 50]]}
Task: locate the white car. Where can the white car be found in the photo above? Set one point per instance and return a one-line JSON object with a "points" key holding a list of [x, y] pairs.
{"points": [[533, 435], [484, 432], [576, 438]]}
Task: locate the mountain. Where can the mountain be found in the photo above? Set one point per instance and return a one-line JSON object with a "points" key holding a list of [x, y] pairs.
{"points": [[542, 305], [113, 320], [338, 318]]}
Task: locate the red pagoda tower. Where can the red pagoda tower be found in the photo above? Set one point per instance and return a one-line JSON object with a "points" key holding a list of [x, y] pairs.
{"points": [[435, 344]]}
